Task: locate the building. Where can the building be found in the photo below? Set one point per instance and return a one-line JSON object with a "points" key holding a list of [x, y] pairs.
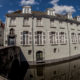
{"points": [[43, 36], [1, 33]]}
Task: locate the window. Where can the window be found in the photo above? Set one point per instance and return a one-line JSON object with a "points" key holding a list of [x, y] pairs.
{"points": [[29, 52], [73, 38], [39, 22], [55, 50], [26, 38], [53, 37], [79, 37], [12, 31], [12, 37], [26, 10], [26, 22], [13, 22], [63, 38], [52, 24], [39, 38], [40, 70]]}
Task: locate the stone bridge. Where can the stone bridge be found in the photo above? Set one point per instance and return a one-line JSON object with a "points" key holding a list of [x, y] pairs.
{"points": [[12, 65]]}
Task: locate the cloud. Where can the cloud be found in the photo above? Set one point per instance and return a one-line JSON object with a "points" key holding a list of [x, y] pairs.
{"points": [[28, 2], [61, 9], [54, 2], [10, 11], [1, 6]]}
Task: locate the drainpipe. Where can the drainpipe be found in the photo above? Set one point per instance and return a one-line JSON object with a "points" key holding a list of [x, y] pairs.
{"points": [[33, 37], [69, 47], [69, 39]]}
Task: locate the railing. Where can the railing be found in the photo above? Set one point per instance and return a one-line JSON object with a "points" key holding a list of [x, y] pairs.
{"points": [[12, 64], [7, 56]]}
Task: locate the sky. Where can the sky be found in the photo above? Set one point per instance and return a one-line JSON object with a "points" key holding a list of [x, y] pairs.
{"points": [[60, 6]]}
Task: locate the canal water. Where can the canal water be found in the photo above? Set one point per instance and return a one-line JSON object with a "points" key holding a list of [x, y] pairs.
{"points": [[63, 71]]}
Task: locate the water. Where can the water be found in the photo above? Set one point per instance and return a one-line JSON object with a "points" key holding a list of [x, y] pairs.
{"points": [[63, 71]]}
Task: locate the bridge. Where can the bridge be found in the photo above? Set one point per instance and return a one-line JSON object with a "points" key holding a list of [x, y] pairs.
{"points": [[12, 65]]}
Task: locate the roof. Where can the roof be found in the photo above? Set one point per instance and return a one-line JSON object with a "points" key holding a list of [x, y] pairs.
{"points": [[40, 14]]}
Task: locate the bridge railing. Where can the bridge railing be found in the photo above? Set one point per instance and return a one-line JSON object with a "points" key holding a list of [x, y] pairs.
{"points": [[7, 56]]}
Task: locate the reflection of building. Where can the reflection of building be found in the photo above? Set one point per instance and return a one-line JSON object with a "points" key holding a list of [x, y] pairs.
{"points": [[43, 36], [1, 33], [62, 71]]}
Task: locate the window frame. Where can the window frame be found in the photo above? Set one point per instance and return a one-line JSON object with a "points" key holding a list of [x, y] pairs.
{"points": [[26, 22], [26, 38], [40, 38], [12, 22], [53, 38]]}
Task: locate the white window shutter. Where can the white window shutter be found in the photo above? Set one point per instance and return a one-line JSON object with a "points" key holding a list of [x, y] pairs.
{"points": [[43, 38], [35, 38], [55, 37], [21, 40], [30, 38], [65, 38]]}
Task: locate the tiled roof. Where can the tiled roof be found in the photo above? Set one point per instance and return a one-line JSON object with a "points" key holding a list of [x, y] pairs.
{"points": [[43, 14]]}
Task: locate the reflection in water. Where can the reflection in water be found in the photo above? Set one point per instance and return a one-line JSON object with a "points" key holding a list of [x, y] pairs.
{"points": [[64, 71]]}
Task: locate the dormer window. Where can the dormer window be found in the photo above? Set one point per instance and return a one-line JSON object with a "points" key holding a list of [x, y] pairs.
{"points": [[78, 18], [26, 9], [51, 11], [69, 15]]}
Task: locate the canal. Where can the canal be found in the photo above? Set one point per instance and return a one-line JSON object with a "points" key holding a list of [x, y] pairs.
{"points": [[63, 71]]}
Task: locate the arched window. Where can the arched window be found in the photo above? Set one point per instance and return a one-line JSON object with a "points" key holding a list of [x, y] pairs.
{"points": [[39, 38], [12, 32]]}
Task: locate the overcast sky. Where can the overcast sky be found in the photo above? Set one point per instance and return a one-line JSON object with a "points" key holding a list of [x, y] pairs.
{"points": [[60, 6]]}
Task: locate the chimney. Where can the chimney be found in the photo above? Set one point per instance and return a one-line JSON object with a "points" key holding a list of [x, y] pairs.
{"points": [[69, 15], [26, 9], [51, 11], [78, 18]]}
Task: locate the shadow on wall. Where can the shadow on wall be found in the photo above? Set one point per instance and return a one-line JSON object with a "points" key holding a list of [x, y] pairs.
{"points": [[18, 69]]}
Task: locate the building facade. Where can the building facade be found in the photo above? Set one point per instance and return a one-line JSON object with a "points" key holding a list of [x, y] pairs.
{"points": [[1, 34], [43, 36]]}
